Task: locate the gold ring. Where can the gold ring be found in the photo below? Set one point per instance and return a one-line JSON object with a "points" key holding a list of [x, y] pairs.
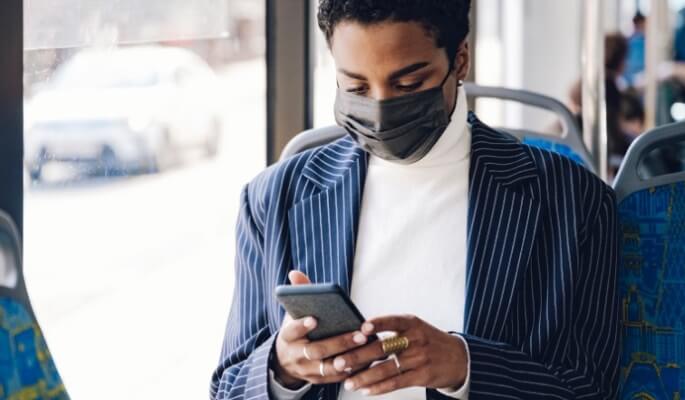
{"points": [[395, 344]]}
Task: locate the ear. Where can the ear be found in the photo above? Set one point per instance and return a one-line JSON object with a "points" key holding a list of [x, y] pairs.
{"points": [[462, 61]]}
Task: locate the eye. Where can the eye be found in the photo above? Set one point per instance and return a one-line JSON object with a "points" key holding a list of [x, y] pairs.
{"points": [[357, 90], [409, 88]]}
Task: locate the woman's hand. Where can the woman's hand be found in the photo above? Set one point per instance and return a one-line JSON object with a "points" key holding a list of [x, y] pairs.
{"points": [[434, 359], [299, 361]]}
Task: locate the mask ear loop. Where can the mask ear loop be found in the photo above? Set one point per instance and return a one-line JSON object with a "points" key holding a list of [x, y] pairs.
{"points": [[444, 80], [452, 68]]}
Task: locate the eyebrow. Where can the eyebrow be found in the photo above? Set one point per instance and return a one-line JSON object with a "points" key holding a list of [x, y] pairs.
{"points": [[395, 75]]}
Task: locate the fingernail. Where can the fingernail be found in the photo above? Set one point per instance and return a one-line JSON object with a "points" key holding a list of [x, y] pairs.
{"points": [[348, 370], [309, 322], [349, 385], [366, 392], [367, 327], [339, 364], [359, 338]]}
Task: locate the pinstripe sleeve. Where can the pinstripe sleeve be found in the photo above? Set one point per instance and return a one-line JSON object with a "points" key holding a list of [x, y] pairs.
{"points": [[588, 369], [243, 369]]}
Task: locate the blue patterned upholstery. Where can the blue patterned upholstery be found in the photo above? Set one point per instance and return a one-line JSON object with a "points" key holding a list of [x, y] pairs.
{"points": [[27, 371], [653, 293], [555, 147]]}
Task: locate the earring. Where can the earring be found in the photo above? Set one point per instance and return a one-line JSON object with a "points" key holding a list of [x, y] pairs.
{"points": [[460, 83]]}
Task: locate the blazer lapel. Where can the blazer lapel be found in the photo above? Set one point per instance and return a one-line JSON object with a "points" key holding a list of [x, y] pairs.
{"points": [[323, 226], [504, 209]]}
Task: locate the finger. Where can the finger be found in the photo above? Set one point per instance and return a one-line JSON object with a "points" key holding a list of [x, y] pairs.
{"points": [[383, 371], [394, 323], [402, 381], [298, 278], [297, 329], [360, 358], [327, 348], [312, 373]]}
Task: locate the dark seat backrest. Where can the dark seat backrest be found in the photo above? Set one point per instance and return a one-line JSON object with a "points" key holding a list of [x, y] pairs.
{"points": [[652, 271]]}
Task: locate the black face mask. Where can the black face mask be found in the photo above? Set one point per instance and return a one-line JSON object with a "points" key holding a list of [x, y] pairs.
{"points": [[401, 129]]}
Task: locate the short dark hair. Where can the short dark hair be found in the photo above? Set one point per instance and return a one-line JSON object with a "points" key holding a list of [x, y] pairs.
{"points": [[615, 51], [446, 20], [639, 18]]}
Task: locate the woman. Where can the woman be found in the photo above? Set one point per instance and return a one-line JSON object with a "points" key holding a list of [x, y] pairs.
{"points": [[494, 263]]}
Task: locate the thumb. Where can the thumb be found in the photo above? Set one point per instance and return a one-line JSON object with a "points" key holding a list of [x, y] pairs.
{"points": [[298, 278]]}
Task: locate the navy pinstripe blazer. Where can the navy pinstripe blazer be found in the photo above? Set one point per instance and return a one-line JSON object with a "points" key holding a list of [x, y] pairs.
{"points": [[542, 309]]}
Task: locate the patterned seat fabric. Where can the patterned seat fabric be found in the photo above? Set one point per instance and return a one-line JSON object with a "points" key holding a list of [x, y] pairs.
{"points": [[652, 288], [554, 147], [27, 371]]}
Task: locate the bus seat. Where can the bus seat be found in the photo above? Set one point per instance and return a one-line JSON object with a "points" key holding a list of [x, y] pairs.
{"points": [[27, 370], [569, 143], [312, 138], [652, 272]]}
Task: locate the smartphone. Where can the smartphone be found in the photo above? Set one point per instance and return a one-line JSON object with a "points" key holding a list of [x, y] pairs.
{"points": [[334, 311]]}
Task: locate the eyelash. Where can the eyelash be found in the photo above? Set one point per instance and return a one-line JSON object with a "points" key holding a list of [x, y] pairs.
{"points": [[404, 88], [410, 88], [357, 90]]}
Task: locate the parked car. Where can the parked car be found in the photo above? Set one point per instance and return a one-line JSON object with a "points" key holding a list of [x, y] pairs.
{"points": [[128, 109]]}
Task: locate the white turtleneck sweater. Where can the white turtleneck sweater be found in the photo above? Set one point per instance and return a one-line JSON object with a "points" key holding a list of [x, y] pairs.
{"points": [[411, 245]]}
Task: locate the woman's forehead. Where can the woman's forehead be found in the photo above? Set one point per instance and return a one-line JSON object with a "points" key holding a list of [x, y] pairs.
{"points": [[382, 48]]}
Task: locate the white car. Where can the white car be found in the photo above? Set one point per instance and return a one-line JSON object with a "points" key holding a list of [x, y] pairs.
{"points": [[132, 109]]}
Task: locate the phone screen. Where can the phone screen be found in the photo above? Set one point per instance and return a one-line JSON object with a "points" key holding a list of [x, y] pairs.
{"points": [[333, 310]]}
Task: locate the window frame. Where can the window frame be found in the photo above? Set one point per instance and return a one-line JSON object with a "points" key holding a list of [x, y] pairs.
{"points": [[11, 110], [285, 117], [290, 67]]}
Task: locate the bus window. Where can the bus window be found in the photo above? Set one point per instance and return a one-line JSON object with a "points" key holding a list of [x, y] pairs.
{"points": [[324, 77], [142, 122]]}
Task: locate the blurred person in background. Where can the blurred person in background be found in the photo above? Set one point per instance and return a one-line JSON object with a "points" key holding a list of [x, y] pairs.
{"points": [[632, 115], [679, 38], [670, 74], [672, 78], [617, 102], [615, 53], [635, 60]]}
